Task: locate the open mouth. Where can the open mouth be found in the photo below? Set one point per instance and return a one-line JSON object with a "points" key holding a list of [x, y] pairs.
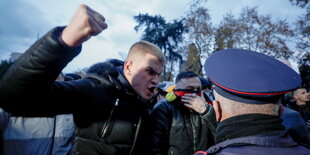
{"points": [[152, 89]]}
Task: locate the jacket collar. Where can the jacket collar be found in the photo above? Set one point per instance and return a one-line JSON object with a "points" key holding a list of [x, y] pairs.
{"points": [[124, 82], [126, 86], [280, 139]]}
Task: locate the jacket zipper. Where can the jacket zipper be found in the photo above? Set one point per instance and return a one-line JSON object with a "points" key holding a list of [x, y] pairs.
{"points": [[194, 133], [136, 136], [107, 124]]}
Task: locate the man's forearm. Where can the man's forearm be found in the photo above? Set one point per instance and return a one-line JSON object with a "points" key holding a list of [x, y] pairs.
{"points": [[209, 117], [38, 67]]}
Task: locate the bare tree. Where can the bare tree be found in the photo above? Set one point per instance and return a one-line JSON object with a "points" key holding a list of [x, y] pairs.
{"points": [[255, 32], [199, 41]]}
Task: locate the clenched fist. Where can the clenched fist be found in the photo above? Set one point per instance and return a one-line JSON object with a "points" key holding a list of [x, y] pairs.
{"points": [[85, 23]]}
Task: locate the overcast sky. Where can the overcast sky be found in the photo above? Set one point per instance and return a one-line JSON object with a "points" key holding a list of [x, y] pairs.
{"points": [[22, 22]]}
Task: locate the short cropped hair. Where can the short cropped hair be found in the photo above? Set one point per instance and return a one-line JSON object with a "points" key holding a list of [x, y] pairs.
{"points": [[234, 108], [145, 47], [296, 91], [185, 75]]}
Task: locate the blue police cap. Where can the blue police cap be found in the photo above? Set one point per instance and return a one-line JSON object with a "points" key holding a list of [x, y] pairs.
{"points": [[249, 76]]}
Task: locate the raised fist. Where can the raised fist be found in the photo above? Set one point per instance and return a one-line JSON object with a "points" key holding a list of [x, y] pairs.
{"points": [[85, 23]]}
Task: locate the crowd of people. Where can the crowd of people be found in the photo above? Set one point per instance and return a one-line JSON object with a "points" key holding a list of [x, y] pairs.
{"points": [[121, 107]]}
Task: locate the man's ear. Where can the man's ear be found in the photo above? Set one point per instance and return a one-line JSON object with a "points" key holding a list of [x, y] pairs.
{"points": [[218, 110], [127, 67]]}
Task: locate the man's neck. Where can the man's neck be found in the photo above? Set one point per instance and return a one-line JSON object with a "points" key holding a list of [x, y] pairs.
{"points": [[300, 103]]}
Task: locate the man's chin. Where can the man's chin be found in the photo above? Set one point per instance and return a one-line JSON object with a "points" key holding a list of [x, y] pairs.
{"points": [[146, 97]]}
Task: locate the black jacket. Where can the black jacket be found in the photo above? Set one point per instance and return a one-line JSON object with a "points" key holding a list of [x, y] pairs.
{"points": [[178, 130], [304, 110], [109, 115]]}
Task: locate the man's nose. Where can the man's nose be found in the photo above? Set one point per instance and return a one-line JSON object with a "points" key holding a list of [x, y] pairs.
{"points": [[155, 79]]}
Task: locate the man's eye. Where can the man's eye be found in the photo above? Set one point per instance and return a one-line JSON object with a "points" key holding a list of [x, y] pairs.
{"points": [[151, 72]]}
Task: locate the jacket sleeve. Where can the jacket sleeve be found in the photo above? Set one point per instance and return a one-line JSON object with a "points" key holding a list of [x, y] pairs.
{"points": [[209, 117], [28, 86], [161, 123]]}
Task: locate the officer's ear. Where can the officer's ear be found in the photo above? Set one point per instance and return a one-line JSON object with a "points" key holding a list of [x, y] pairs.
{"points": [[218, 110], [281, 110]]}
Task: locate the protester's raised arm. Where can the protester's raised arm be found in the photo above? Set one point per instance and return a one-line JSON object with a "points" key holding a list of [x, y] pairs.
{"points": [[28, 86]]}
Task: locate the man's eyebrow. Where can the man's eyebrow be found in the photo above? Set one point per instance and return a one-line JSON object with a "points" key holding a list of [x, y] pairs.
{"points": [[152, 70]]}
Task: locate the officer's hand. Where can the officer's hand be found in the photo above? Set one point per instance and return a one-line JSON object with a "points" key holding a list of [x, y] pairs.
{"points": [[194, 102], [84, 24]]}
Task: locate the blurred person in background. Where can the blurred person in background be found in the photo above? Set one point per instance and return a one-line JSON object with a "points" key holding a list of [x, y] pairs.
{"points": [[52, 135], [302, 104]]}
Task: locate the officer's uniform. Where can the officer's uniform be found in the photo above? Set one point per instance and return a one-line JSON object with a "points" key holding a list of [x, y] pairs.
{"points": [[253, 78]]}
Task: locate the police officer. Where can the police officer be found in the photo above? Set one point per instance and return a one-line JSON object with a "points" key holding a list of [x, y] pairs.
{"points": [[248, 87]]}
